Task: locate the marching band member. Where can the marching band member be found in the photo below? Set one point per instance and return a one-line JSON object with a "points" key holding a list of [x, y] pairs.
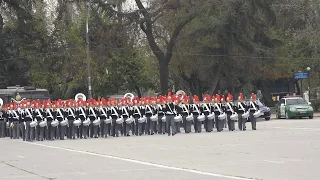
{"points": [[224, 108], [169, 111], [230, 110], [241, 109], [37, 128], [131, 125], [14, 121], [217, 109], [206, 110], [61, 114], [136, 115], [161, 125], [185, 112], [196, 113], [103, 116], [149, 113], [154, 124], [2, 121], [142, 125], [81, 114], [28, 118], [50, 115], [114, 115], [125, 111], [39, 116], [96, 128], [253, 108]]}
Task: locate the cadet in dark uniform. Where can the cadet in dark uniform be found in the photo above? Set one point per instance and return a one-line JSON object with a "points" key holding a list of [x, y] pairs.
{"points": [[161, 110], [169, 111], [2, 121], [241, 109], [230, 110], [254, 107]]}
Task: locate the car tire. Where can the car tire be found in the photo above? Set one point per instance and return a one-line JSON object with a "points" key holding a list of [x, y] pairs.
{"points": [[287, 117], [267, 118], [310, 117]]}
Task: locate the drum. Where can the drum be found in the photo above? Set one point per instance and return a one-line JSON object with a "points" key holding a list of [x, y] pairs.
{"points": [[189, 117], [201, 118], [33, 123], [129, 120], [164, 119], [177, 118], [96, 122], [108, 121], [55, 123], [245, 115], [64, 122], [86, 122], [234, 117], [222, 116], [43, 123], [211, 116], [120, 120], [257, 114], [154, 117], [77, 122], [142, 119]]}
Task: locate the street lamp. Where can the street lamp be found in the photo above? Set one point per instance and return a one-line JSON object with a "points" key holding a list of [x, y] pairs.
{"points": [[309, 89], [88, 50]]}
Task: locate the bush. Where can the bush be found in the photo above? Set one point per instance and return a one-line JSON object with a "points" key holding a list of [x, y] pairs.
{"points": [[316, 104]]}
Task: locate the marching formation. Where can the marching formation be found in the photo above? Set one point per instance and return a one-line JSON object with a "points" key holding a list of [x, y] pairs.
{"points": [[92, 118]]}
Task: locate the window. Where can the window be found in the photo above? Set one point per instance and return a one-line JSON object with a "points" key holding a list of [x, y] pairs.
{"points": [[296, 101]]}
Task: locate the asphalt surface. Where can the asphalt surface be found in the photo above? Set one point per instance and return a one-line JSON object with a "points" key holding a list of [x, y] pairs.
{"points": [[278, 150]]}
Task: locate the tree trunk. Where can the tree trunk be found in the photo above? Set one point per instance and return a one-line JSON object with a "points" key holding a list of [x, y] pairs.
{"points": [[164, 76], [138, 91]]}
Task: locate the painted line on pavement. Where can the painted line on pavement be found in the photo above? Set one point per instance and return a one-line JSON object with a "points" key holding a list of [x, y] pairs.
{"points": [[312, 129], [276, 162], [145, 163]]}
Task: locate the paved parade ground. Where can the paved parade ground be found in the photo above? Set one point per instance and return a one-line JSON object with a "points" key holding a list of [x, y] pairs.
{"points": [[278, 150]]}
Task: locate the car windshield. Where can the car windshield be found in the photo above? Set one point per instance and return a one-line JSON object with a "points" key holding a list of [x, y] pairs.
{"points": [[296, 101]]}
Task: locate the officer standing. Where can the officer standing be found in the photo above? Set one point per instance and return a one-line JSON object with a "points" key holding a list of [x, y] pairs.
{"points": [[2, 122]]}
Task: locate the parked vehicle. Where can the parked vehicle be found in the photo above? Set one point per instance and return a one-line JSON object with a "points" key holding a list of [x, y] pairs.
{"points": [[290, 107]]}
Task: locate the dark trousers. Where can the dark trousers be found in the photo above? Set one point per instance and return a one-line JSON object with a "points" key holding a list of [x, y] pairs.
{"points": [[85, 131], [29, 132], [107, 129], [197, 124], [114, 128], [63, 131], [96, 131], [2, 128], [241, 122], [186, 125], [219, 123], [161, 126], [41, 132], [15, 130], [253, 121], [178, 126], [170, 125], [231, 123], [208, 124]]}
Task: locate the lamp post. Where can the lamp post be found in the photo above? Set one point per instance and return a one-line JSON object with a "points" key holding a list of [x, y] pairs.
{"points": [[88, 50], [309, 88]]}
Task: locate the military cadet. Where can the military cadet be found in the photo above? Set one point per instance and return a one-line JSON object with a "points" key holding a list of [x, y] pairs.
{"points": [[15, 119], [39, 116], [242, 108], [160, 110], [51, 114], [217, 109], [206, 110], [2, 121], [96, 127], [196, 112], [28, 119], [149, 113], [224, 108], [125, 111], [254, 107], [81, 114], [169, 111], [185, 112], [230, 111]]}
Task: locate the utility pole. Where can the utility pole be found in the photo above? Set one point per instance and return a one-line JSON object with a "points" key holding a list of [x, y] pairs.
{"points": [[88, 2]]}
